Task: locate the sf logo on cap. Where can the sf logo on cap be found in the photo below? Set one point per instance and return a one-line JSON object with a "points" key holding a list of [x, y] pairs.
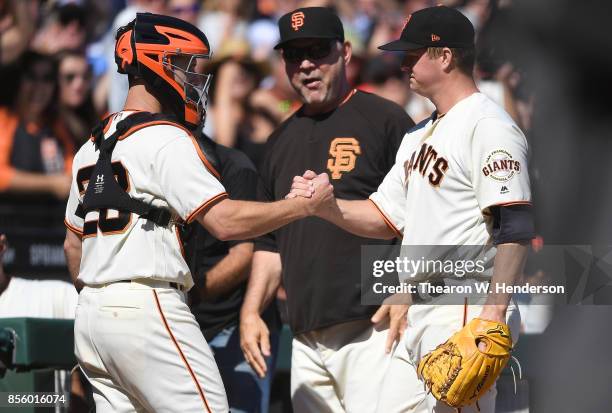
{"points": [[297, 20]]}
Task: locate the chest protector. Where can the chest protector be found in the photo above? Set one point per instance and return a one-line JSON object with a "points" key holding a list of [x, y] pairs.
{"points": [[103, 191]]}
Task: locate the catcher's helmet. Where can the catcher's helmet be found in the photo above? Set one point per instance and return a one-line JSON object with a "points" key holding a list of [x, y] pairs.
{"points": [[169, 55]]}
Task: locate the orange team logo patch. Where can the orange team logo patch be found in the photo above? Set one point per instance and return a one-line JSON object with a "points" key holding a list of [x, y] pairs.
{"points": [[297, 20], [435, 38], [344, 153]]}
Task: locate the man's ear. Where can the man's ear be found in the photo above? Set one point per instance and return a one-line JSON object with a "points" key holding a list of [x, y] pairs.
{"points": [[347, 52], [447, 59]]}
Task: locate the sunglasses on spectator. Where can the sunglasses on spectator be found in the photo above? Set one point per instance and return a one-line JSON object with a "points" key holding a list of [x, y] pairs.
{"points": [[315, 51], [71, 76]]}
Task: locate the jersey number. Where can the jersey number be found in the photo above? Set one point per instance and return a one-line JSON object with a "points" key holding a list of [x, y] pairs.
{"points": [[108, 225]]}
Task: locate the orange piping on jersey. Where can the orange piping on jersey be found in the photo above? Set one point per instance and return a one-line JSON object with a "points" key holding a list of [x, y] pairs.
{"points": [[180, 241], [207, 164], [346, 99], [108, 124], [9, 122], [387, 220], [72, 228], [165, 122], [181, 354], [206, 205], [136, 128], [513, 203], [465, 308]]}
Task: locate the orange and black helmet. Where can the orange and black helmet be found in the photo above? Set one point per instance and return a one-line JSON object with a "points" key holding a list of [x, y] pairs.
{"points": [[169, 55]]}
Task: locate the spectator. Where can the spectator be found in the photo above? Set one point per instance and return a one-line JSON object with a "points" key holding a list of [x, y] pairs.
{"points": [[383, 76], [187, 10], [233, 83], [275, 95], [64, 29], [223, 21], [76, 107], [35, 148], [16, 28]]}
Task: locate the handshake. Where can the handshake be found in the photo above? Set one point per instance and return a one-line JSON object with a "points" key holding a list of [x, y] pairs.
{"points": [[317, 190]]}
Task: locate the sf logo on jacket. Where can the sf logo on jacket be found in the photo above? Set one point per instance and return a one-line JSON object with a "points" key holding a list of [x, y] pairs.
{"points": [[427, 159], [343, 152]]}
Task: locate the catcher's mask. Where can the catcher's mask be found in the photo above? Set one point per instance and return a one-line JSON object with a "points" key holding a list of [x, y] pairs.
{"points": [[170, 56]]}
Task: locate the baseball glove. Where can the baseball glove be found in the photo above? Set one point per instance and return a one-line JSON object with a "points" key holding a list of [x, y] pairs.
{"points": [[457, 372]]}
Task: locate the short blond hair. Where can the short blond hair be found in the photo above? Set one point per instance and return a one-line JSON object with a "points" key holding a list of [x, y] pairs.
{"points": [[463, 58]]}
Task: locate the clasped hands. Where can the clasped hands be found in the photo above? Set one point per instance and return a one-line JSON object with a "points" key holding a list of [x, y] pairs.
{"points": [[317, 188]]}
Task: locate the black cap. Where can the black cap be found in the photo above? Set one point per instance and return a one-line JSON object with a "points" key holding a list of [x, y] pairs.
{"points": [[309, 23], [438, 26]]}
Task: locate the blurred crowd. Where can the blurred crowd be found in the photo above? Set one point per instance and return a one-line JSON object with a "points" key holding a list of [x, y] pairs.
{"points": [[59, 77]]}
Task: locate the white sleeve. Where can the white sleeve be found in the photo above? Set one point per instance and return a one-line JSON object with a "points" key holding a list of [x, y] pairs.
{"points": [[74, 219], [390, 198], [499, 164], [186, 182]]}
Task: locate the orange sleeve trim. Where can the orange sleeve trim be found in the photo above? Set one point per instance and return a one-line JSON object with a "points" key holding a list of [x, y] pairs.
{"points": [[513, 203], [180, 352], [206, 205], [387, 220], [72, 228]]}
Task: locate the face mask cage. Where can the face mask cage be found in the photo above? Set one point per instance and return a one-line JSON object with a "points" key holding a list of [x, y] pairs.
{"points": [[189, 69]]}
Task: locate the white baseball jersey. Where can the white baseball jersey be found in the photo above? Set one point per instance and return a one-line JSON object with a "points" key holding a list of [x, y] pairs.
{"points": [[161, 165], [449, 171]]}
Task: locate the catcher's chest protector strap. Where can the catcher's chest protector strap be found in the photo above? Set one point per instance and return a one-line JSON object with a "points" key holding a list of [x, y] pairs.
{"points": [[103, 190]]}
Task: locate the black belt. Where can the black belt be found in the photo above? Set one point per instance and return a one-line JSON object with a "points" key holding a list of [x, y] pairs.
{"points": [[174, 285]]}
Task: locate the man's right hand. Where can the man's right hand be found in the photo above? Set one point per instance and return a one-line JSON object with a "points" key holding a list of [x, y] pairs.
{"points": [[255, 342], [317, 189]]}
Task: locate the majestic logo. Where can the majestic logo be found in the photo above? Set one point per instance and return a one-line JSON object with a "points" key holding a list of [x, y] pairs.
{"points": [[427, 160], [500, 166], [344, 152], [297, 20], [504, 190], [435, 38]]}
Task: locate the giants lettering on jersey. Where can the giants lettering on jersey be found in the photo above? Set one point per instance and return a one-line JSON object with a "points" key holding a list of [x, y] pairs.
{"points": [[429, 163]]}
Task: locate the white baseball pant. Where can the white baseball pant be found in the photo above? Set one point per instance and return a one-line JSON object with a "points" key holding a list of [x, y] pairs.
{"points": [[141, 349], [339, 368]]}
